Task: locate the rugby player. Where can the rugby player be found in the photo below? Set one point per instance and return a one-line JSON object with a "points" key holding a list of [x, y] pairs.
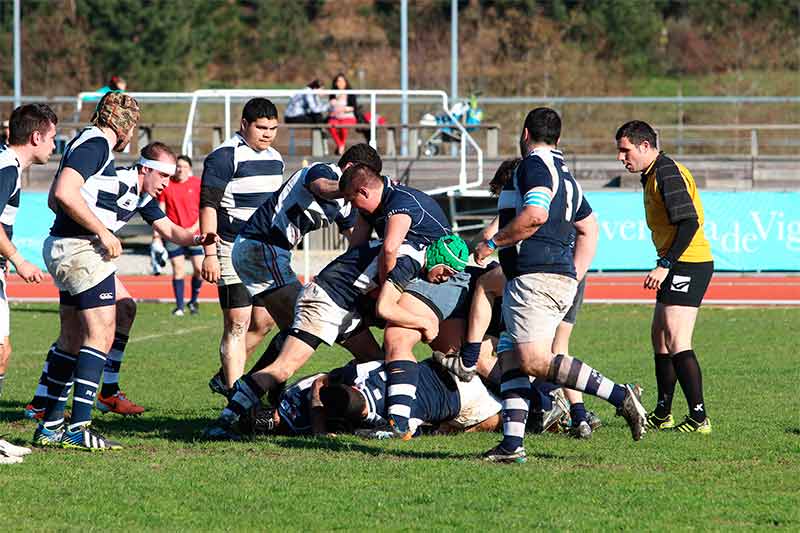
{"points": [[541, 212], [329, 309], [262, 253], [353, 397], [32, 130], [238, 177], [683, 271], [93, 200], [400, 214]]}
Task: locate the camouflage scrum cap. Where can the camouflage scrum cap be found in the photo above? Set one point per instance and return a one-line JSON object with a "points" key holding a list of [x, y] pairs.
{"points": [[120, 112], [450, 251]]}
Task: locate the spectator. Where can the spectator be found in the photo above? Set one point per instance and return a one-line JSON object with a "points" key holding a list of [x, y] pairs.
{"points": [[181, 202], [115, 83], [305, 107], [343, 112]]}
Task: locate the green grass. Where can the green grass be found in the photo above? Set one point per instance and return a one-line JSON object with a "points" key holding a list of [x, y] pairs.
{"points": [[747, 474]]}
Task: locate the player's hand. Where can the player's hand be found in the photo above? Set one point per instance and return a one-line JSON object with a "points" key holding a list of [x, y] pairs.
{"points": [[655, 278], [430, 331], [29, 272], [210, 269], [205, 239], [482, 253], [111, 245]]}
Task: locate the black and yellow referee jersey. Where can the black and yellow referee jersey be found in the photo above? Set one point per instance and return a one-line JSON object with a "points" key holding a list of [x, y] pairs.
{"points": [[671, 195]]}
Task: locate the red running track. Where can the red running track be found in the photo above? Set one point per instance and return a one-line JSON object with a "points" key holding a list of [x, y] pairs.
{"points": [[725, 289]]}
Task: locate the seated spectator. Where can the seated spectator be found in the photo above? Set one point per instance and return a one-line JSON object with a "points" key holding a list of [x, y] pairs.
{"points": [[343, 112], [305, 107]]}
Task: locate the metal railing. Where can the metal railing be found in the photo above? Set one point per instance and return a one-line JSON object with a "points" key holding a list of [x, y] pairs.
{"points": [[228, 95]]}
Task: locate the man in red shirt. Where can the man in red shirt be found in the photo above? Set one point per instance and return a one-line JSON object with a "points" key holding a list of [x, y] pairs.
{"points": [[181, 202]]}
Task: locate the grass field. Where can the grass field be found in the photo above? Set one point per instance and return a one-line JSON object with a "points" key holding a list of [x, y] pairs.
{"points": [[745, 475]]}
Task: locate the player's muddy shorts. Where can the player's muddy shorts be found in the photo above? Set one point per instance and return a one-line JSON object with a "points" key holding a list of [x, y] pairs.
{"points": [[534, 305]]}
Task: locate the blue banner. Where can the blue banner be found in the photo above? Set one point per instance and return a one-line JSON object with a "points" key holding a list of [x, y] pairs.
{"points": [[748, 231], [32, 226]]}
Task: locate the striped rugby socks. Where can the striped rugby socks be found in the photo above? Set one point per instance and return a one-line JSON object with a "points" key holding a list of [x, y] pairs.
{"points": [[401, 390], [574, 374], [88, 371], [515, 391]]}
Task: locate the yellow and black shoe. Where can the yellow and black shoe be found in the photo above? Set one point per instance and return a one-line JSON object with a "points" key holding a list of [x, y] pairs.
{"points": [[691, 426], [657, 423]]}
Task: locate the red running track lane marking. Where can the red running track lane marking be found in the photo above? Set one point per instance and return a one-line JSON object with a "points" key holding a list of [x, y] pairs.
{"points": [[724, 289]]}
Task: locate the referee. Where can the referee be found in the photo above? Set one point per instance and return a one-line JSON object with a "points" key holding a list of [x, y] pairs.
{"points": [[683, 271]]}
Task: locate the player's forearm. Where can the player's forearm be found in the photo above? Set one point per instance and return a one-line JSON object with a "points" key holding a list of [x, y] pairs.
{"points": [[208, 224], [388, 308], [520, 228], [587, 233], [7, 248], [174, 233], [326, 189]]}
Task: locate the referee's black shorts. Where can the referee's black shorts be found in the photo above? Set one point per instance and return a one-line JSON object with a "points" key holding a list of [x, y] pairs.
{"points": [[686, 284]]}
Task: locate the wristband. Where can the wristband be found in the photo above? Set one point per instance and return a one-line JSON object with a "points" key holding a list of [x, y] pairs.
{"points": [[211, 255], [663, 262], [491, 244]]}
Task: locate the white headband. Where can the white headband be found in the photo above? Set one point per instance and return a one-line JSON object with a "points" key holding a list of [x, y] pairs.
{"points": [[166, 168]]}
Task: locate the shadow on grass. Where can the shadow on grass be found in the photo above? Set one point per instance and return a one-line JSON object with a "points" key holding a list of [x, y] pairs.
{"points": [[11, 411], [177, 429], [36, 310], [793, 431], [335, 444]]}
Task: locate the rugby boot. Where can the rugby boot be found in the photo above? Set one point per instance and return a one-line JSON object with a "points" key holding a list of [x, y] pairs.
{"points": [[118, 403], [633, 412], [691, 426], [655, 422], [498, 454]]}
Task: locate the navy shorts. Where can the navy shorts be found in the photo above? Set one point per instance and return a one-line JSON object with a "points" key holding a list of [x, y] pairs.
{"points": [[442, 298], [102, 294], [175, 250]]}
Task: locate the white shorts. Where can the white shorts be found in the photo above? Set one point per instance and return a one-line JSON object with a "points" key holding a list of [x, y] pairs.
{"points": [[477, 403], [5, 321], [227, 274], [76, 263], [534, 305], [262, 267], [316, 313]]}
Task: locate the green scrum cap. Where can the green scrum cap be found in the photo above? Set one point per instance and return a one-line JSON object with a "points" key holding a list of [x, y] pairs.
{"points": [[450, 251]]}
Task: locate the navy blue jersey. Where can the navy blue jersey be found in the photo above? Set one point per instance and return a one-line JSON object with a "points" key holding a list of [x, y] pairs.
{"points": [[355, 272], [428, 221], [294, 407], [437, 397], [550, 249], [9, 192], [245, 177], [293, 210]]}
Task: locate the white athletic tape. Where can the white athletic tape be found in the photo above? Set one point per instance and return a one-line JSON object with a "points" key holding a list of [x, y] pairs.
{"points": [[161, 166]]}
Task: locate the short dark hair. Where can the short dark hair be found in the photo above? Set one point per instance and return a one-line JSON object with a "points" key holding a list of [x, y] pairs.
{"points": [[357, 175], [362, 153], [343, 405], [29, 118], [638, 131], [257, 108], [503, 174], [543, 125], [155, 149], [184, 157]]}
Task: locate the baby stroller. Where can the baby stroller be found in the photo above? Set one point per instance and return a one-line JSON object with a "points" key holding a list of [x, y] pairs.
{"points": [[466, 112]]}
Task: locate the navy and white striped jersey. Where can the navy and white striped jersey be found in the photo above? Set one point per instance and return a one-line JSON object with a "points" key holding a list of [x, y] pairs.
{"points": [[293, 210], [428, 221], [111, 193], [355, 272], [245, 177], [550, 249], [9, 189], [437, 398]]}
